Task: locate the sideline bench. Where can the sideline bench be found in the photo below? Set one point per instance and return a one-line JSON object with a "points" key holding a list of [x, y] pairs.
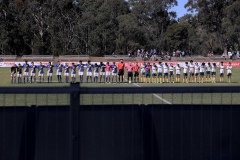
{"points": [[74, 57], [37, 57]]}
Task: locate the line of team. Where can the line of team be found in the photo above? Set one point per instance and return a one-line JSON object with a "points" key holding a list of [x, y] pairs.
{"points": [[106, 73]]}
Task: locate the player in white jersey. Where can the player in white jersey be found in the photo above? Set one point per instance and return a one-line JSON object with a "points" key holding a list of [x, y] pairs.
{"points": [[154, 73], [171, 71], [229, 72], [178, 72], [142, 71], [160, 69], [191, 71], [185, 72], [208, 71], [213, 73], [196, 71], [202, 70], [221, 70], [165, 70]]}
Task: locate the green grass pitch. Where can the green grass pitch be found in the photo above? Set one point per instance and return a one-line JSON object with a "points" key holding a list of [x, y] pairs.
{"points": [[154, 98]]}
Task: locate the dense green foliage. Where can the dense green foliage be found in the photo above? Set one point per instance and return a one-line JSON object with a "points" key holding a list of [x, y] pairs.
{"points": [[98, 27]]}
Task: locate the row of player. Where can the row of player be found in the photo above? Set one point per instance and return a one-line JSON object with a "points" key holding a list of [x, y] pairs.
{"points": [[156, 73]]}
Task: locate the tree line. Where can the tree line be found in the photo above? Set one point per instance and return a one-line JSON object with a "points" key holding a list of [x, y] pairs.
{"points": [[99, 27]]}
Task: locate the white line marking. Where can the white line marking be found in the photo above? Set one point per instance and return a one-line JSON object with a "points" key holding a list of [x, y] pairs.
{"points": [[164, 100]]}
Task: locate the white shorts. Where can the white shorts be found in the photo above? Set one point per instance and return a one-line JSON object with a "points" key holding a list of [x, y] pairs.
{"points": [[59, 73], [73, 75], [66, 74], [107, 73], [80, 73], [13, 75], [89, 73], [102, 73], [33, 74], [95, 74], [25, 73], [19, 75], [178, 72], [40, 74], [114, 74], [49, 74]]}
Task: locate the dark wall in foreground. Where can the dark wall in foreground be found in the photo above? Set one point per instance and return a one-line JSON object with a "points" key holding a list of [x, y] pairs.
{"points": [[122, 132]]}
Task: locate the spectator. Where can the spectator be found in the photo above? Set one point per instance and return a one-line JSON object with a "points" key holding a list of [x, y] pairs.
{"points": [[183, 53], [1, 59]]}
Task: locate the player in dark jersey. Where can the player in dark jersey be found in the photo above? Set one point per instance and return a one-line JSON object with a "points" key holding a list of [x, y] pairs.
{"points": [[66, 73], [95, 73], [33, 72], [19, 73], [41, 72], [59, 67], [13, 73], [114, 71], [49, 71]]}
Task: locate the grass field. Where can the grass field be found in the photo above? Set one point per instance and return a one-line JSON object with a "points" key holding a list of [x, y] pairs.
{"points": [[60, 99]]}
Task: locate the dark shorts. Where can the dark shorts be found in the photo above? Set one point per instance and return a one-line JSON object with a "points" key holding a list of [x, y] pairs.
{"points": [[221, 74], [165, 74], [229, 74], [159, 74], [213, 73], [136, 74], [147, 74], [201, 73], [208, 72], [154, 74], [121, 72], [171, 73], [185, 74], [196, 74], [130, 74], [191, 74]]}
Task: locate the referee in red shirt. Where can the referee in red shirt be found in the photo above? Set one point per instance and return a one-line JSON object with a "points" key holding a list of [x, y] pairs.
{"points": [[121, 67]]}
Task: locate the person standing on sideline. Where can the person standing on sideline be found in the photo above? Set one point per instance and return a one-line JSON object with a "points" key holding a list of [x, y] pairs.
{"points": [[191, 70], [229, 72], [95, 73], [130, 72], [185, 72], [49, 72], [221, 70], [41, 72], [142, 72], [197, 69], [178, 72], [202, 70], [26, 70], [147, 73], [108, 71], [121, 66], [154, 73], [73, 72], [160, 69], [165, 70], [89, 71], [102, 72], [80, 71], [13, 73], [136, 73], [59, 67]]}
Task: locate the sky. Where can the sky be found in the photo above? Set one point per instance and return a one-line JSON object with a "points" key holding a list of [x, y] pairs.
{"points": [[180, 10]]}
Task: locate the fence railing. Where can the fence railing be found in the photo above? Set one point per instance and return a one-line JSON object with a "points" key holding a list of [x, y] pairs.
{"points": [[131, 129]]}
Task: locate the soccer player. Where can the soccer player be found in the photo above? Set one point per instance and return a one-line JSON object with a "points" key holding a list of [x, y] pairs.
{"points": [[80, 71], [221, 70], [13, 72], [136, 73], [19, 73], [130, 73], [229, 72], [142, 72], [96, 70], [185, 72], [26, 70], [208, 71], [59, 67], [73, 72], [171, 71], [49, 71], [197, 69], [165, 70], [102, 72], [108, 71], [202, 70], [160, 69], [214, 66], [89, 71], [66, 73], [121, 67], [114, 71], [178, 72], [191, 70], [154, 73], [41, 72], [147, 73], [33, 72]]}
